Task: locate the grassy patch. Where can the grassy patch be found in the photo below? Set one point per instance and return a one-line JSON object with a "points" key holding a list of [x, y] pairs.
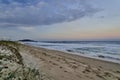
{"points": [[23, 74], [14, 48]]}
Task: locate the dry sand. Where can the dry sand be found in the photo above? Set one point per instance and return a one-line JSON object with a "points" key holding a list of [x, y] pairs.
{"points": [[63, 66]]}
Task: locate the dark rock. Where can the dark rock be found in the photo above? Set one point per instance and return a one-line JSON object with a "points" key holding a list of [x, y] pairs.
{"points": [[101, 56]]}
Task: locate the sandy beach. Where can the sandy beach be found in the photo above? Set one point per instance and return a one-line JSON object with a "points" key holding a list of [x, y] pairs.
{"points": [[59, 39], [63, 66]]}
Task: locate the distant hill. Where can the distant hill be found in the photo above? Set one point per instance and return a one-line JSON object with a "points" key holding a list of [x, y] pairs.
{"points": [[27, 40]]}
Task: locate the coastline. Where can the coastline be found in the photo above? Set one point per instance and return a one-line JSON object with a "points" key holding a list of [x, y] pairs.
{"points": [[75, 54], [63, 66], [92, 50]]}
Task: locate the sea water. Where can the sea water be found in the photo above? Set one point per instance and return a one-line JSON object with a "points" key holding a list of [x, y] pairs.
{"points": [[105, 50]]}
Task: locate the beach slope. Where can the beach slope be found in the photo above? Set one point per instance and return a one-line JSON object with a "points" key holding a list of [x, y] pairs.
{"points": [[63, 66]]}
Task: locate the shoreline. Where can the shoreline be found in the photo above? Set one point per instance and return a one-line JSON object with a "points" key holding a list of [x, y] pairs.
{"points": [[76, 54], [63, 66], [91, 57]]}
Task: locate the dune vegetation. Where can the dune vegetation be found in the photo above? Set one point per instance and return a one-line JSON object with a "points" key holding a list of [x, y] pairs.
{"points": [[11, 63]]}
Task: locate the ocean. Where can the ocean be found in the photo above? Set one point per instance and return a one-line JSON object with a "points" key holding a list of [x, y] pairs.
{"points": [[104, 50]]}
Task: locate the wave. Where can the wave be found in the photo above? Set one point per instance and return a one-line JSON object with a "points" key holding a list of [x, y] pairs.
{"points": [[109, 50]]}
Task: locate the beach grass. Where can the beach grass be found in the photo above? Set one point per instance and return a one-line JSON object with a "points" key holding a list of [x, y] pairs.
{"points": [[9, 53]]}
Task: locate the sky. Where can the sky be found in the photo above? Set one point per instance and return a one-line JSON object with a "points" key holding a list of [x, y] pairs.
{"points": [[60, 19]]}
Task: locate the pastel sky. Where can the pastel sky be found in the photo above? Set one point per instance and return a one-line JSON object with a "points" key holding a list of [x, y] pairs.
{"points": [[60, 19]]}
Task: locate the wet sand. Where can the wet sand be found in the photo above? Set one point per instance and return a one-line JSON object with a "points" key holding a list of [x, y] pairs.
{"points": [[63, 66]]}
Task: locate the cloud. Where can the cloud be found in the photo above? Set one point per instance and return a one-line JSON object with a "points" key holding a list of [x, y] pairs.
{"points": [[42, 12], [29, 29]]}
